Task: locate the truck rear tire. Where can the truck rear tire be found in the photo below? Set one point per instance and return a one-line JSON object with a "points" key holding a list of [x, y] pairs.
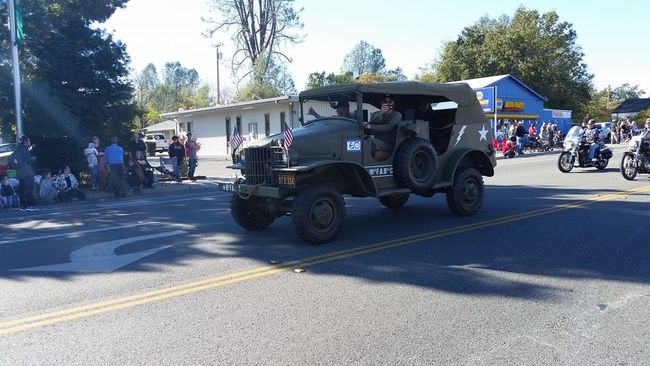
{"points": [[318, 213], [465, 196]]}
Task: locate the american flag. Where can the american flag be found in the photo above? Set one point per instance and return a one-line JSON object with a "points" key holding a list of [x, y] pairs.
{"points": [[235, 139], [288, 136]]}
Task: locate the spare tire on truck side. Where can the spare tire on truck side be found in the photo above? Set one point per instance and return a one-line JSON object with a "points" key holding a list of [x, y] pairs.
{"points": [[415, 165]]}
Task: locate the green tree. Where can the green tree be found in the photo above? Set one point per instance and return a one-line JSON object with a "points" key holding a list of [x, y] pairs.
{"points": [[604, 101], [316, 79], [178, 87], [145, 83], [364, 58], [74, 76], [269, 79], [537, 48]]}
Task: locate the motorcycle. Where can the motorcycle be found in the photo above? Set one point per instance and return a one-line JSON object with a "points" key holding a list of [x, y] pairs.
{"points": [[637, 159], [576, 149]]}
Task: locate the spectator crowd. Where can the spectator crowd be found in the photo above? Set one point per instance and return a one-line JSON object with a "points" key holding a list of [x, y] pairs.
{"points": [[113, 169]]}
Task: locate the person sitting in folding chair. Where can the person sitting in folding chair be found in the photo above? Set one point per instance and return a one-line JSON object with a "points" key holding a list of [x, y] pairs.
{"points": [[168, 170]]}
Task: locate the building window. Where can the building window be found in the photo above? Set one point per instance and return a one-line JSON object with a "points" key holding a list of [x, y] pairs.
{"points": [[181, 126], [267, 124], [252, 131], [283, 120], [238, 124], [190, 126]]}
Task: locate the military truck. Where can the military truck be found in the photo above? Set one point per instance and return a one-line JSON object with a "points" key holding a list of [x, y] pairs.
{"points": [[445, 147]]}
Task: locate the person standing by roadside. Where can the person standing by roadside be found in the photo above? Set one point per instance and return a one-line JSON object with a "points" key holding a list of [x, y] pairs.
{"points": [[93, 164], [191, 147], [138, 153], [532, 130], [177, 153], [520, 133], [115, 158], [22, 159], [613, 132]]}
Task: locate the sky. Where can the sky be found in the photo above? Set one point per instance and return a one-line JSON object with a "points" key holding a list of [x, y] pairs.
{"points": [[613, 35]]}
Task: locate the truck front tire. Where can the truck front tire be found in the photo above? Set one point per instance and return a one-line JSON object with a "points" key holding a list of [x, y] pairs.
{"points": [[250, 214], [318, 213]]}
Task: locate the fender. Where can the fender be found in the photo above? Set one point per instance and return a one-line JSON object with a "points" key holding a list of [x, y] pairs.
{"points": [[468, 157], [319, 168]]}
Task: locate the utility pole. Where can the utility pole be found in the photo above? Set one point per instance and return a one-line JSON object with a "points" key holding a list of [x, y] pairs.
{"points": [[219, 57]]}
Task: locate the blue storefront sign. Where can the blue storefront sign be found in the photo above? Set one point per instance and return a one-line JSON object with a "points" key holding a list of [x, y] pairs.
{"points": [[486, 98]]}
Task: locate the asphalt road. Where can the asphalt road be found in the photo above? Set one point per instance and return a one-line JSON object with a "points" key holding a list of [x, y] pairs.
{"points": [[554, 270]]}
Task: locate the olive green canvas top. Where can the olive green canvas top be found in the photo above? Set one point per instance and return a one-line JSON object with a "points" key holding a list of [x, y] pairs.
{"points": [[459, 93]]}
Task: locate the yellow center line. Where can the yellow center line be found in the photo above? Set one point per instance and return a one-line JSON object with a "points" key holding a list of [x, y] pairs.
{"points": [[125, 302]]}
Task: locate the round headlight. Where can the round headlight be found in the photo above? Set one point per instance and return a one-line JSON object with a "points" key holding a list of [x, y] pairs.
{"points": [[285, 157], [242, 157]]}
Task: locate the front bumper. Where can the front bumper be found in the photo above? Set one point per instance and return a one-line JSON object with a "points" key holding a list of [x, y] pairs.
{"points": [[252, 190]]}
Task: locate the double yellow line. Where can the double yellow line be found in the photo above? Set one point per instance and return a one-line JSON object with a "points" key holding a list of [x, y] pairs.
{"points": [[102, 307]]}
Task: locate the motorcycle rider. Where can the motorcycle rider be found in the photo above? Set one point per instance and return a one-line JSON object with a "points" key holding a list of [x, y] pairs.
{"points": [[646, 137], [592, 134]]}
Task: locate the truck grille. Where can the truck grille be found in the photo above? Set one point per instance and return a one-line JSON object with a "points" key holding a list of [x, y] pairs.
{"points": [[258, 164]]}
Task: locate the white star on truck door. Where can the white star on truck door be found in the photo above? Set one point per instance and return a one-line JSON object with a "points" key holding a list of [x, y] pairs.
{"points": [[483, 132]]}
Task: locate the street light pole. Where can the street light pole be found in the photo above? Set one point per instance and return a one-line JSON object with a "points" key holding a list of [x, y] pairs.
{"points": [[219, 56]]}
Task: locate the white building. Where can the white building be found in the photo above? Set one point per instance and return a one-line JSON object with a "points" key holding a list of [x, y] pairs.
{"points": [[212, 126]]}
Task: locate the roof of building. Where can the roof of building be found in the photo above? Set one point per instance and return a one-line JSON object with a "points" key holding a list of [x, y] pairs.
{"points": [[634, 105], [162, 126], [491, 80], [240, 105]]}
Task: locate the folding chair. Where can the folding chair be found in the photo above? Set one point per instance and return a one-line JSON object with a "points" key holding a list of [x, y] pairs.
{"points": [[166, 169]]}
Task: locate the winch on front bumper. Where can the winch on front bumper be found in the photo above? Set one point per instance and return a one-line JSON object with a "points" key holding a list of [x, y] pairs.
{"points": [[260, 167], [260, 190]]}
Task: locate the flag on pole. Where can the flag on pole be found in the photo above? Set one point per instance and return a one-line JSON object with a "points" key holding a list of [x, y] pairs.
{"points": [[235, 140], [18, 18], [288, 136]]}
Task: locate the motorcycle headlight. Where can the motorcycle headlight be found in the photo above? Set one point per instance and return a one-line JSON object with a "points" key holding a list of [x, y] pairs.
{"points": [[632, 143]]}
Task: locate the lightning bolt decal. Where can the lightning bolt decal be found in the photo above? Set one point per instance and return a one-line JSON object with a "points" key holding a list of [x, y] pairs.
{"points": [[460, 135]]}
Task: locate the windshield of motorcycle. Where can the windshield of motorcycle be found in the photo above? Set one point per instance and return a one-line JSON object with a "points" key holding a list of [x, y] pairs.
{"points": [[574, 135]]}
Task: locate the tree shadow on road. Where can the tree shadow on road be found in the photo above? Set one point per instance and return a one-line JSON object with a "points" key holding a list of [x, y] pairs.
{"points": [[510, 254]]}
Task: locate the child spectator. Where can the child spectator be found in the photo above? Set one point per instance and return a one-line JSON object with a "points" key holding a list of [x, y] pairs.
{"points": [[510, 148], [93, 165], [68, 186], [8, 195], [48, 192]]}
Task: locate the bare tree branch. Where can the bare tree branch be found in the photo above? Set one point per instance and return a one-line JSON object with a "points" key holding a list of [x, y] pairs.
{"points": [[259, 28]]}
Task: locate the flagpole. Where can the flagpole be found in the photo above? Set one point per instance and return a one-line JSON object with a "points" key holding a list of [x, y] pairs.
{"points": [[16, 70]]}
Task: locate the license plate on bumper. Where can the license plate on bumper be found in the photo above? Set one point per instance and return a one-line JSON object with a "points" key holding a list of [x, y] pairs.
{"points": [[226, 187], [286, 180], [248, 190]]}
